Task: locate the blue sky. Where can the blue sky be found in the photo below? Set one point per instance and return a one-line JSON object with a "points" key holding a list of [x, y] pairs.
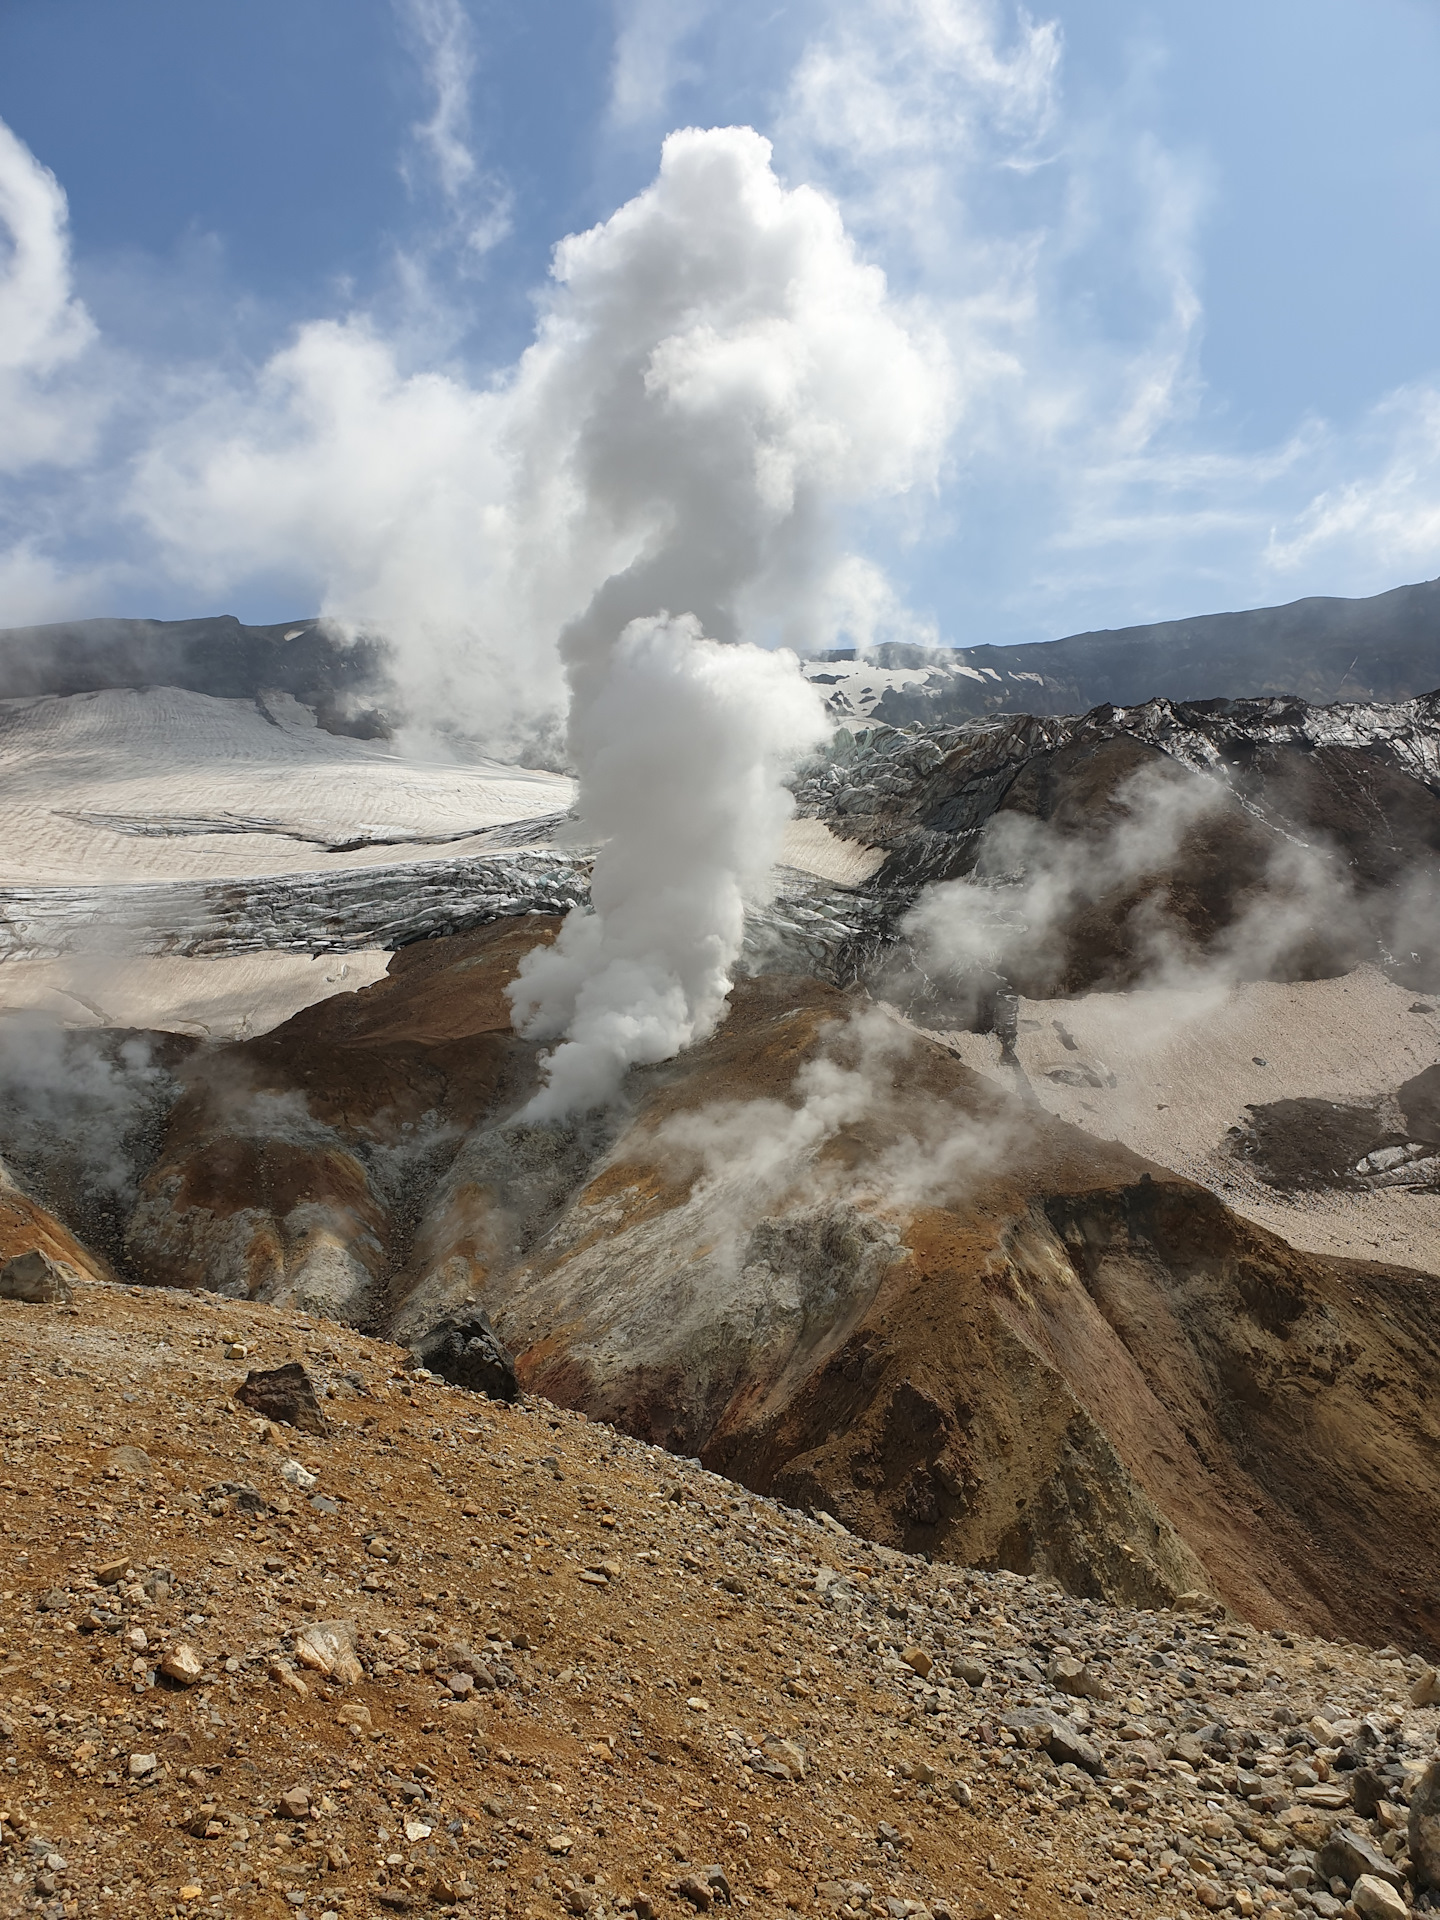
{"points": [[1183, 260]]}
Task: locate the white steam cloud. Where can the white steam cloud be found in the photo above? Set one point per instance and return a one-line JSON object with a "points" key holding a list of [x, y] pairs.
{"points": [[1023, 912], [916, 1148], [728, 374], [682, 745], [44, 329]]}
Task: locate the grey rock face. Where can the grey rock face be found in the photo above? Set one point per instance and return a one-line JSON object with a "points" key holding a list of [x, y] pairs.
{"points": [[1058, 1737], [1347, 1854], [34, 1277]]}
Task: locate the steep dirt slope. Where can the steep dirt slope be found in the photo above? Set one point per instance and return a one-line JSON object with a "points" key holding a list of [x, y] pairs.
{"points": [[449, 1655], [1042, 1356], [823, 1255], [294, 1165]]}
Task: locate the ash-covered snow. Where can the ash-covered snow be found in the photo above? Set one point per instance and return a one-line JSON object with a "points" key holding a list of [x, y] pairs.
{"points": [[921, 795]]}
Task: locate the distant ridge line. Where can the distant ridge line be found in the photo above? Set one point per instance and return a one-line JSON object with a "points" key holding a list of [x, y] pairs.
{"points": [[1381, 649]]}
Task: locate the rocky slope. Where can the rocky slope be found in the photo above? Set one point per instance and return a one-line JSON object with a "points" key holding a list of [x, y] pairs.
{"points": [[447, 1655], [830, 1260], [1298, 840], [220, 656], [822, 1252]]}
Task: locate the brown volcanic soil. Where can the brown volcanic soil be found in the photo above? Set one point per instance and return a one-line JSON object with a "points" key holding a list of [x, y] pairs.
{"points": [[645, 1629], [962, 1325], [602, 1759]]}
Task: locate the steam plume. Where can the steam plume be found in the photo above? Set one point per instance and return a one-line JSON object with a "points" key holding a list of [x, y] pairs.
{"points": [[737, 374], [1109, 902]]}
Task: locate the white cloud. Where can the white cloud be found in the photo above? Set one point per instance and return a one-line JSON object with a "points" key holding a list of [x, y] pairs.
{"points": [[1060, 252], [925, 79], [899, 105], [1057, 253], [649, 63], [392, 493], [35, 587], [1386, 520]]}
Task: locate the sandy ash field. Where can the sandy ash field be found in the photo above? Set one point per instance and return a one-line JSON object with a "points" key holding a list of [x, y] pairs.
{"points": [[1187, 1065]]}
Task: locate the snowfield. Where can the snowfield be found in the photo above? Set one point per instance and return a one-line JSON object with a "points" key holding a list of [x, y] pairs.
{"points": [[179, 861], [125, 786]]}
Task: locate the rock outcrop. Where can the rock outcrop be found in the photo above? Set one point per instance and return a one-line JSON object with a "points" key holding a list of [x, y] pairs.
{"points": [[1288, 840]]}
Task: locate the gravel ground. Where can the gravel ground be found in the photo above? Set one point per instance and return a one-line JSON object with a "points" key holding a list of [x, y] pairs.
{"points": [[569, 1673]]}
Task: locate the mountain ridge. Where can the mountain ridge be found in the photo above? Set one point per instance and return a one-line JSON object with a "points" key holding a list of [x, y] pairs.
{"points": [[1384, 647]]}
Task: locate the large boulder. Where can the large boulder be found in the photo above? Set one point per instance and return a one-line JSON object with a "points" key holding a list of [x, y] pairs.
{"points": [[466, 1350], [285, 1395], [34, 1277]]}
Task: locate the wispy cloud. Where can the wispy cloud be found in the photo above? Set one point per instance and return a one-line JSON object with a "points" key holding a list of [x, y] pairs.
{"points": [[1389, 516], [478, 200], [1059, 248], [650, 60]]}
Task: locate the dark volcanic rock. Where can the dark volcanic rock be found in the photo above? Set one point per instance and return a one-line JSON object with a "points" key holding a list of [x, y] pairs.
{"points": [[1419, 1100], [1347, 1854], [1425, 1828], [283, 1394], [299, 1165], [466, 1350], [1305, 1145]]}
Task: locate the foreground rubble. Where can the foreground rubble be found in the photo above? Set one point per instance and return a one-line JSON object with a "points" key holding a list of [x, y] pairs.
{"points": [[456, 1654]]}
